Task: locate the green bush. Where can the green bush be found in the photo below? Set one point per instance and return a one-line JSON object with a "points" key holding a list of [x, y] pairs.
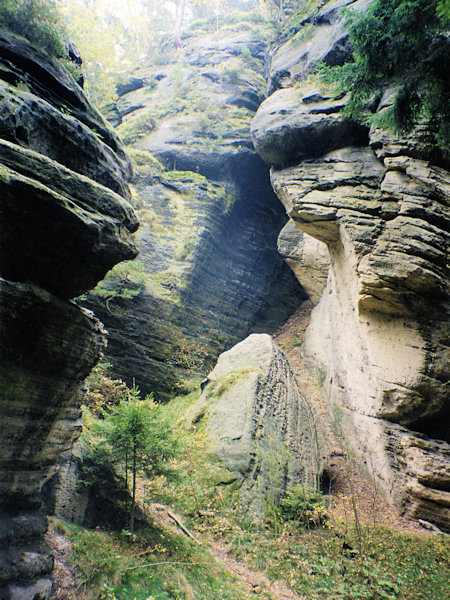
{"points": [[125, 280], [399, 43], [305, 505], [39, 21]]}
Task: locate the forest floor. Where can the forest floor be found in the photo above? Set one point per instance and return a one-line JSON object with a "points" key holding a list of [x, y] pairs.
{"points": [[368, 552]]}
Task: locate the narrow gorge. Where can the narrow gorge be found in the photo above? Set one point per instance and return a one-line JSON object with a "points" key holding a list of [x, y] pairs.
{"points": [[224, 192]]}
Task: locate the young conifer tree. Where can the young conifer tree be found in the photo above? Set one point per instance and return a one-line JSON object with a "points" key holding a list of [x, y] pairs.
{"points": [[140, 439]]}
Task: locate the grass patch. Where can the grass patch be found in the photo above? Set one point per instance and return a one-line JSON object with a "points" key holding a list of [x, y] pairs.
{"points": [[157, 564], [393, 565]]}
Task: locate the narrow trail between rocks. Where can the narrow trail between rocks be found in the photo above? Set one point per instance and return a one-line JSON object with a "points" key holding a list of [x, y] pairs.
{"points": [[256, 582]]}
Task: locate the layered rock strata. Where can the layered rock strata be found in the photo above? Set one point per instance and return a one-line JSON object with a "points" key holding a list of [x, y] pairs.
{"points": [[380, 204], [209, 217], [258, 425], [65, 222]]}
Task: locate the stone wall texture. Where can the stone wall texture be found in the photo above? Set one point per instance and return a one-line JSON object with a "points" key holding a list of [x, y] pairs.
{"points": [[65, 221], [379, 202]]}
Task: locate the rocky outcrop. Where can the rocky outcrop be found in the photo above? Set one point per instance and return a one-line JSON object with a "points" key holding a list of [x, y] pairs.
{"points": [[316, 34], [258, 425], [308, 258], [209, 217], [65, 222], [381, 207]]}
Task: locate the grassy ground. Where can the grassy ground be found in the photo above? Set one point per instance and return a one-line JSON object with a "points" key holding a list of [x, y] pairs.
{"points": [[346, 560], [158, 564], [364, 551]]}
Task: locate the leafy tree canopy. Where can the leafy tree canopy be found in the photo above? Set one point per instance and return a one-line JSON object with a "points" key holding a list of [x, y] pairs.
{"points": [[39, 21], [400, 43]]}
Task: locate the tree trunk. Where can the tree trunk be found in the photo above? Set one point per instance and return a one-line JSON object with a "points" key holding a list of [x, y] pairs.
{"points": [[179, 23], [126, 480], [133, 497]]}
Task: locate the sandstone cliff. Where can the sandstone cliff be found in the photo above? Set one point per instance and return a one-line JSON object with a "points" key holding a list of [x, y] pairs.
{"points": [[209, 218], [65, 222], [380, 204]]}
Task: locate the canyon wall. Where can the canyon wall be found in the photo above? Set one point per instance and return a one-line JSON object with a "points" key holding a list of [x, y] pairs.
{"points": [[66, 221], [379, 202], [211, 273]]}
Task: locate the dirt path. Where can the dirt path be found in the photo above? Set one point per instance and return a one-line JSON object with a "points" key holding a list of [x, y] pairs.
{"points": [[64, 576], [256, 582]]}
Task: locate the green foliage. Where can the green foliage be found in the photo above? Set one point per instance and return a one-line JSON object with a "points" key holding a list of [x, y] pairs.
{"points": [[396, 565], [37, 20], [158, 564], [134, 436], [134, 428], [400, 43], [125, 280], [443, 9], [304, 505]]}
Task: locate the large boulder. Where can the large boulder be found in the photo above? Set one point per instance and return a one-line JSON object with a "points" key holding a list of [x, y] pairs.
{"points": [[381, 207], [65, 222], [258, 425], [303, 122]]}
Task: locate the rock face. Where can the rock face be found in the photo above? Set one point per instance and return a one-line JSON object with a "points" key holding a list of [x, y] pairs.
{"points": [[65, 222], [258, 425], [209, 218], [308, 258], [380, 328]]}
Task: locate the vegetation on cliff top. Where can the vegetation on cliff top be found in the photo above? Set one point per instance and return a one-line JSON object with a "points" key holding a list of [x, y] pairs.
{"points": [[403, 44], [39, 21]]}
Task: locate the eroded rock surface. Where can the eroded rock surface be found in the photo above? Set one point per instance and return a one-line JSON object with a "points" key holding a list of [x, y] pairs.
{"points": [[258, 425], [319, 36], [209, 217], [65, 222], [308, 258], [381, 326]]}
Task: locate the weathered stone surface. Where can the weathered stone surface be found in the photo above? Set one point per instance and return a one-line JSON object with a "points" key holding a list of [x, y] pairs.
{"points": [[258, 425], [43, 108], [321, 37], [381, 321], [308, 258], [61, 230], [62, 170], [381, 326], [48, 346], [295, 124], [65, 495], [209, 218], [65, 222]]}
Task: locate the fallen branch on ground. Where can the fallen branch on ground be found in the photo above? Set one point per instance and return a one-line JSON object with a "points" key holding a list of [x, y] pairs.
{"points": [[183, 528], [169, 562]]}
